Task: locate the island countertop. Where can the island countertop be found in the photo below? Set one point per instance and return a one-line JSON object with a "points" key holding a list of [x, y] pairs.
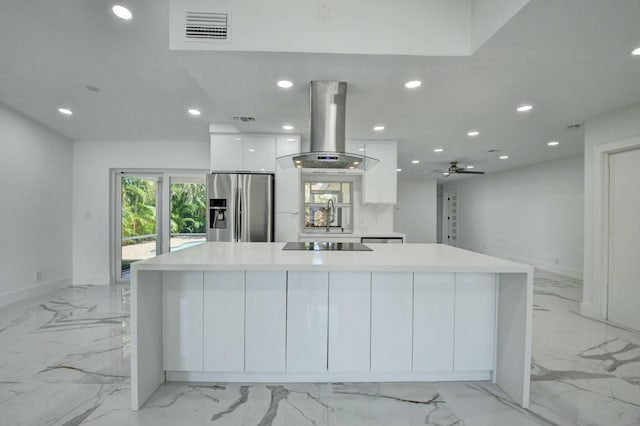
{"points": [[227, 256]]}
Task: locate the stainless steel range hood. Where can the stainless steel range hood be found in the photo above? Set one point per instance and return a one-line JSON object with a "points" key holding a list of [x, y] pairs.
{"points": [[328, 108]]}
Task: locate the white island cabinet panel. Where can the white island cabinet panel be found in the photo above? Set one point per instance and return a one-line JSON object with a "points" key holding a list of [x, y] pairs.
{"points": [[182, 320], [266, 321], [349, 321], [433, 319], [475, 316], [223, 321], [307, 300], [391, 321]]}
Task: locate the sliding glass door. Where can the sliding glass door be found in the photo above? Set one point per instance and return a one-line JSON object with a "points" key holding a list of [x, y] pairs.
{"points": [[154, 213], [140, 197]]}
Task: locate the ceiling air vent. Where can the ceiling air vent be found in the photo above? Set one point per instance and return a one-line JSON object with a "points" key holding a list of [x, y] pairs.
{"points": [[243, 118], [207, 26]]}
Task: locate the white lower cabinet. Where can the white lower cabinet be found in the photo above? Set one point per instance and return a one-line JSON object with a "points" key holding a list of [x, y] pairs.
{"points": [[349, 321], [224, 321], [182, 321], [475, 316], [265, 321], [391, 321], [433, 319], [307, 316]]}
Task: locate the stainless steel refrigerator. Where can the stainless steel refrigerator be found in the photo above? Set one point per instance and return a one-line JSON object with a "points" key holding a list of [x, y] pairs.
{"points": [[241, 207]]}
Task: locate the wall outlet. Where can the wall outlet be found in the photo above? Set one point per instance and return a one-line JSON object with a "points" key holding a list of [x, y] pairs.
{"points": [[37, 275]]}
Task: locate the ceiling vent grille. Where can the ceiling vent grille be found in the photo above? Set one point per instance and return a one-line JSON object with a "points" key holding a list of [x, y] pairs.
{"points": [[207, 26], [244, 118]]}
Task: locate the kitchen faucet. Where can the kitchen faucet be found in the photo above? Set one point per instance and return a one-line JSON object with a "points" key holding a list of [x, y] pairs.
{"points": [[329, 216]]}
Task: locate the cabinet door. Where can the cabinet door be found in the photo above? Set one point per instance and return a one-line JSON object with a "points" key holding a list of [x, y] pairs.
{"points": [[380, 183], [259, 153], [475, 316], [307, 306], [226, 153], [182, 321], [224, 321], [433, 304], [265, 321], [391, 321], [287, 179], [349, 321]]}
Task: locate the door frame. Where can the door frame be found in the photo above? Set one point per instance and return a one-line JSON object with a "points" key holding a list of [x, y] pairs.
{"points": [[600, 208], [163, 207]]}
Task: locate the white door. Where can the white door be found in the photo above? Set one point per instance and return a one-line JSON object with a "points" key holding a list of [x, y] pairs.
{"points": [[624, 234]]}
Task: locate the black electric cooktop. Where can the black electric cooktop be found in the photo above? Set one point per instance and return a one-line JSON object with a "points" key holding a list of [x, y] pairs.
{"points": [[326, 246]]}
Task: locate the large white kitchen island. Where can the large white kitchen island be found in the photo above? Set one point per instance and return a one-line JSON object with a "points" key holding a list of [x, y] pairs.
{"points": [[251, 312]]}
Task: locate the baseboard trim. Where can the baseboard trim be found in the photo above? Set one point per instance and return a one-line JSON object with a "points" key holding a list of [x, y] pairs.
{"points": [[92, 280], [290, 377], [588, 310], [36, 290]]}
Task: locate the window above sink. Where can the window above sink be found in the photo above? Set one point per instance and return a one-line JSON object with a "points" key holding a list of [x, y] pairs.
{"points": [[328, 202]]}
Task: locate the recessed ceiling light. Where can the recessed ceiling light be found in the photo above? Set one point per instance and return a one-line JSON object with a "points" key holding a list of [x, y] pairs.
{"points": [[415, 161], [524, 108], [472, 133], [291, 140], [237, 139], [360, 149], [122, 12], [287, 127], [65, 111], [285, 84], [446, 173], [553, 143], [470, 166], [636, 51], [438, 150], [413, 84], [251, 150], [194, 111], [378, 128], [398, 170], [504, 157]]}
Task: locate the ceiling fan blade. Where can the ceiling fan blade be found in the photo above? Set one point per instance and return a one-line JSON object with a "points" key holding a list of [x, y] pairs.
{"points": [[469, 172]]}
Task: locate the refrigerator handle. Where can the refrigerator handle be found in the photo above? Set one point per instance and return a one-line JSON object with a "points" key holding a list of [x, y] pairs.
{"points": [[240, 195], [236, 219]]}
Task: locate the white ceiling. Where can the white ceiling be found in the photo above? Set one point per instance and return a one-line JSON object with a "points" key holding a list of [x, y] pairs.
{"points": [[569, 58]]}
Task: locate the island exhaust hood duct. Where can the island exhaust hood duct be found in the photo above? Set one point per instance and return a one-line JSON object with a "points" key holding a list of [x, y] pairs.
{"points": [[328, 105]]}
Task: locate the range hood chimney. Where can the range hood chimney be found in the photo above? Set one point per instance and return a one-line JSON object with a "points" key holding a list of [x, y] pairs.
{"points": [[328, 108]]}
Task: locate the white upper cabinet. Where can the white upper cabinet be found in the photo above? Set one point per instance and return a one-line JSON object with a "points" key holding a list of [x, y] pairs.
{"points": [[259, 153], [226, 153], [236, 152], [380, 183]]}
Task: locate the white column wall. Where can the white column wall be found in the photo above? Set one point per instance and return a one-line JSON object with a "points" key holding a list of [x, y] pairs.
{"points": [[92, 162], [616, 126], [416, 213], [532, 214], [35, 171]]}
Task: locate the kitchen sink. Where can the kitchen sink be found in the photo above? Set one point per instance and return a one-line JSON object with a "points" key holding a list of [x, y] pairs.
{"points": [[325, 246]]}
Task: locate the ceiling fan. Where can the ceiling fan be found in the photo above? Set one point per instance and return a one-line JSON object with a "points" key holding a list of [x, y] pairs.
{"points": [[454, 169]]}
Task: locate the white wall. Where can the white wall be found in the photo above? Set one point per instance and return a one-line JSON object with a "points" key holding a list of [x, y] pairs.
{"points": [[92, 162], [614, 127], [532, 215], [416, 212], [35, 171]]}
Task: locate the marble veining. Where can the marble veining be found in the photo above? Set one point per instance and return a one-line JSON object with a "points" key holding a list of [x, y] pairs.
{"points": [[64, 360]]}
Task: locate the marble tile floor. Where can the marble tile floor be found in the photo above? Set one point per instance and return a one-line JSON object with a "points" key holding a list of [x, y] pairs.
{"points": [[64, 360]]}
